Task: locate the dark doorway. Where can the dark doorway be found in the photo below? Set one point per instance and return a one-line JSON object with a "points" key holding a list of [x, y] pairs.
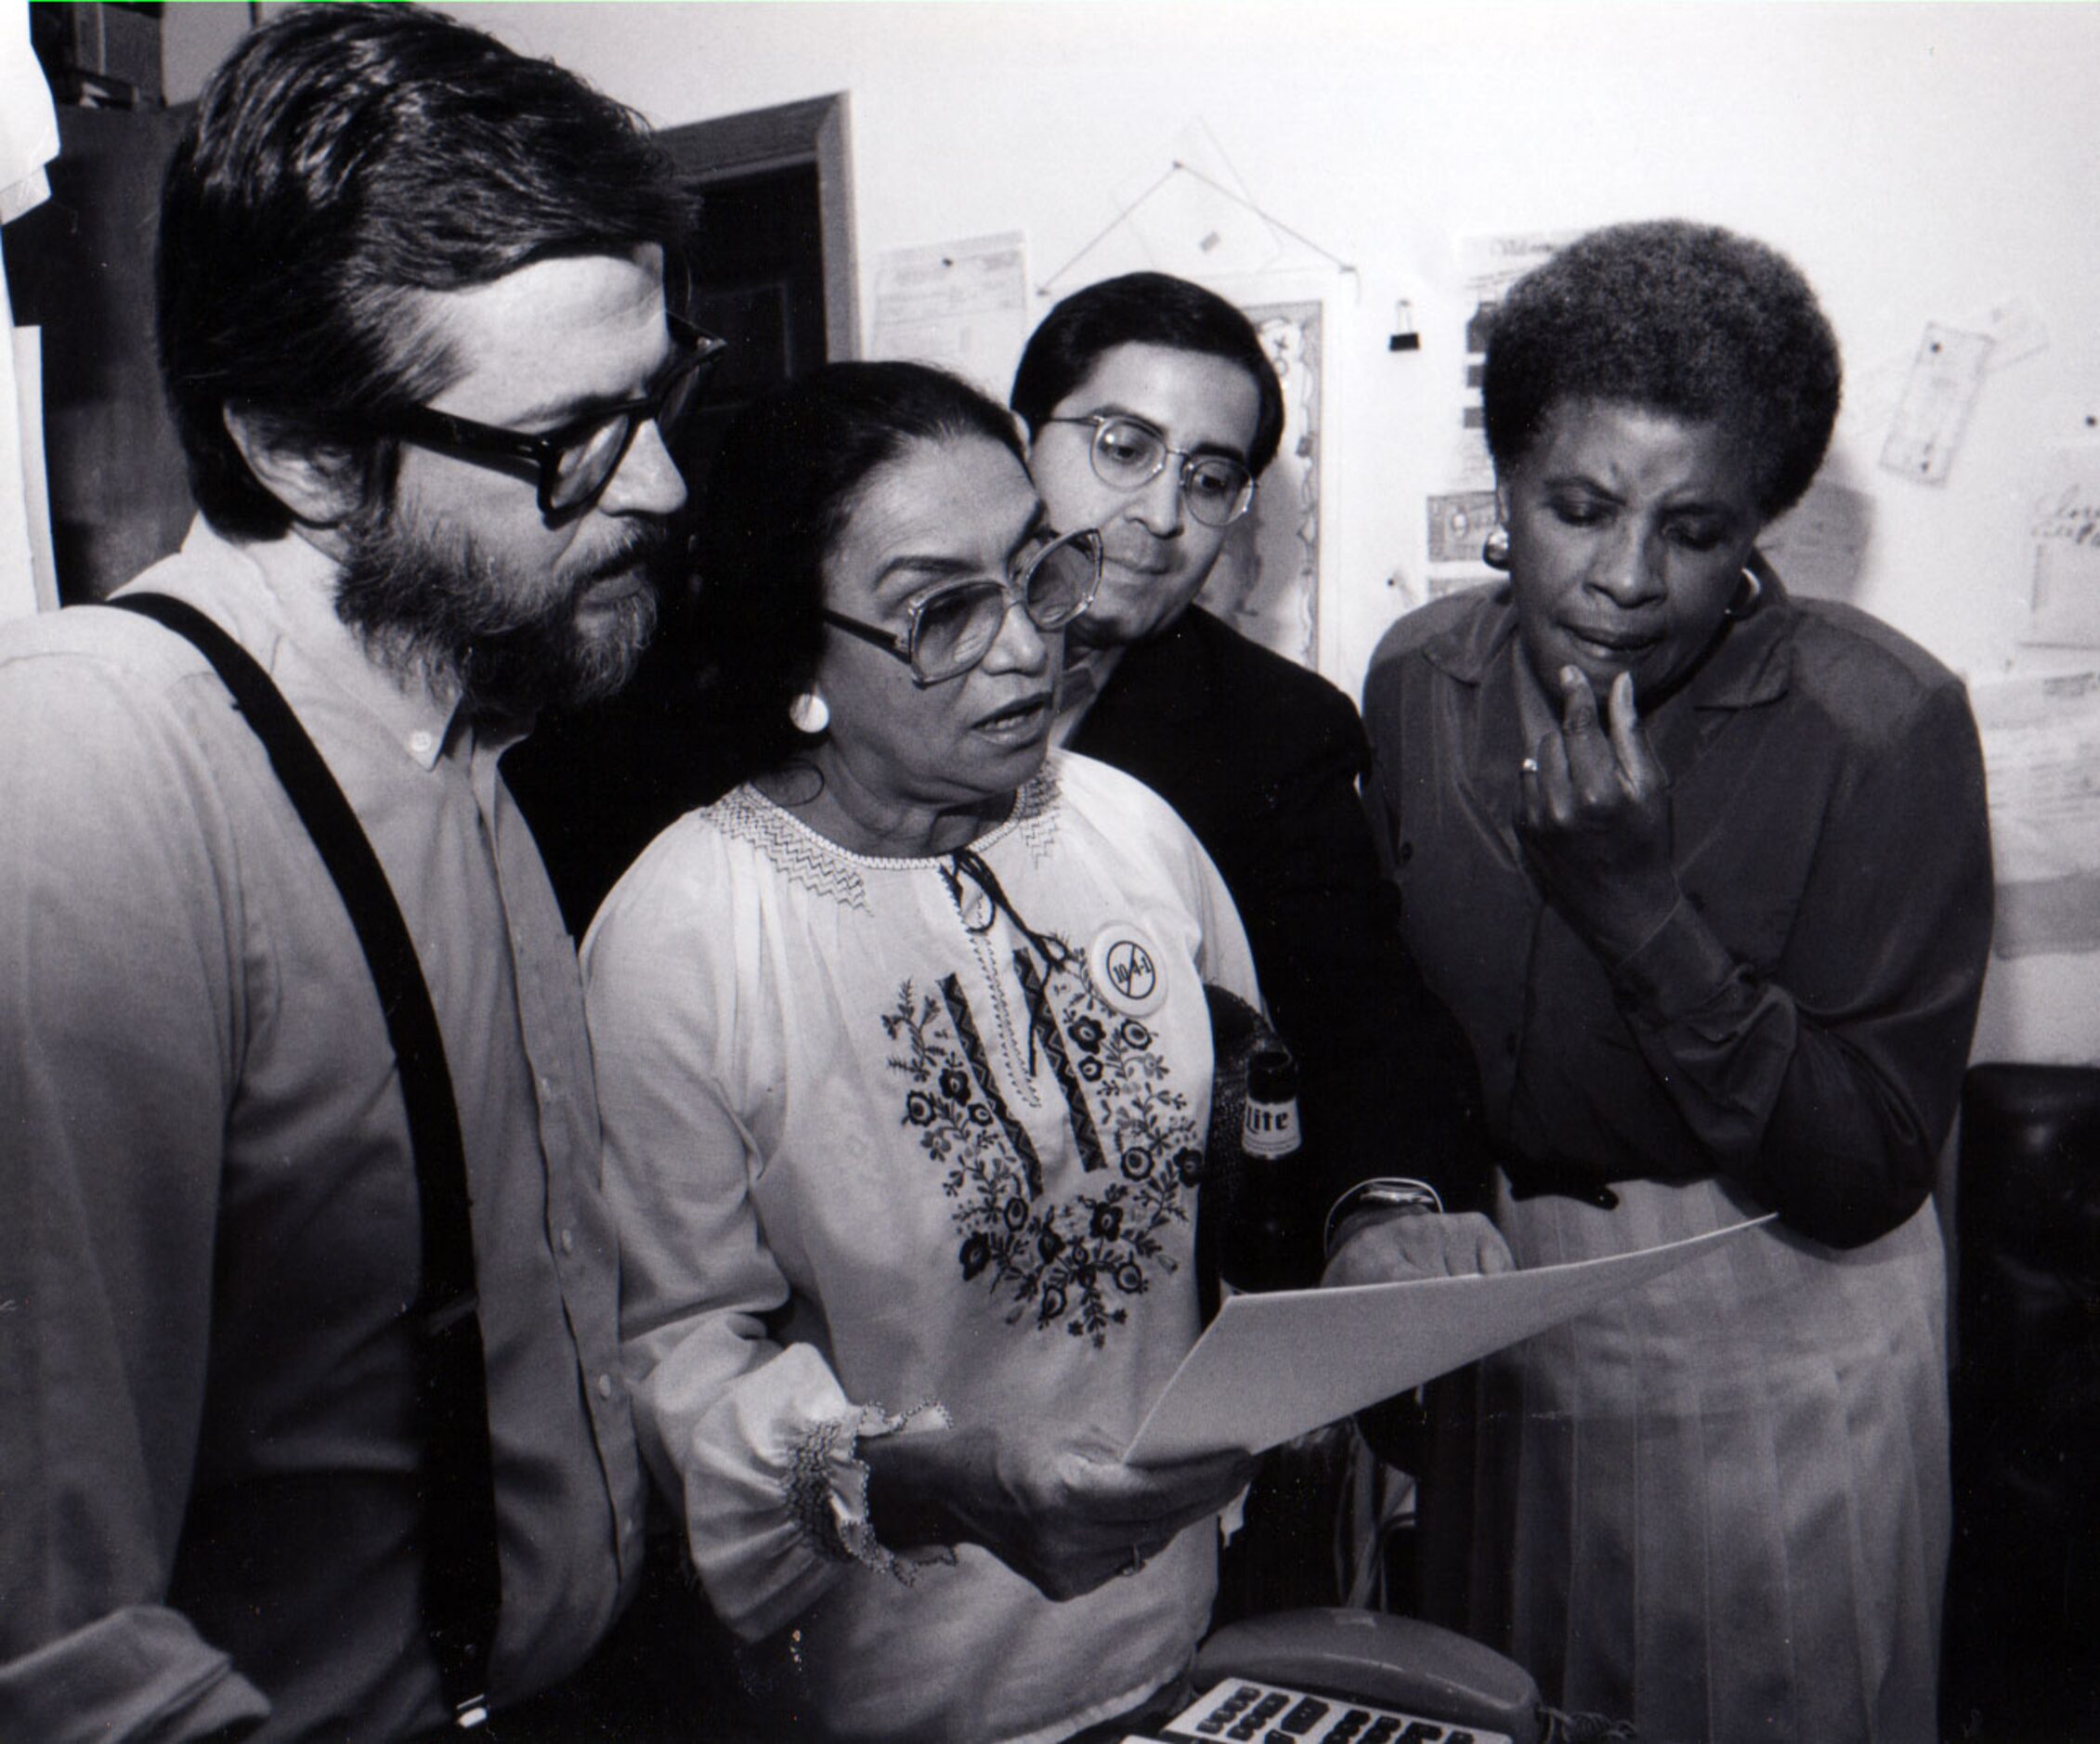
{"points": [[772, 272], [81, 267]]}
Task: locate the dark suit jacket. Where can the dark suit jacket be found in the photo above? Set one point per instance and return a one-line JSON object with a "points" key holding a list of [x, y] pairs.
{"points": [[1261, 758]]}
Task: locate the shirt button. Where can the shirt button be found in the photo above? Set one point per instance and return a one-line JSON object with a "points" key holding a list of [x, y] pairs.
{"points": [[422, 743], [1406, 851], [605, 1386], [568, 1240]]}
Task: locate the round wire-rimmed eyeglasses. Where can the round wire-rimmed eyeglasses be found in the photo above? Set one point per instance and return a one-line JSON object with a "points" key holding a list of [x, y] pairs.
{"points": [[950, 630], [1128, 453], [576, 461]]}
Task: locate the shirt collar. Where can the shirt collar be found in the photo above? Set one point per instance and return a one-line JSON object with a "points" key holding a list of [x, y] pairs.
{"points": [[301, 583], [1753, 664]]}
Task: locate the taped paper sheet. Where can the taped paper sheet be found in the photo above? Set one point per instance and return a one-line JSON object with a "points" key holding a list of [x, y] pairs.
{"points": [[960, 306], [1278, 1366], [2041, 758]]}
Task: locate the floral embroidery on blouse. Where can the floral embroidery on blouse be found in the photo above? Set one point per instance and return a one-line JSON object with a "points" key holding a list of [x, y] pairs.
{"points": [[1072, 1259]]}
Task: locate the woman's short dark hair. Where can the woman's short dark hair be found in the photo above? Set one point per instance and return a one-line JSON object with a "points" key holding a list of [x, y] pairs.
{"points": [[343, 158], [787, 479], [1144, 308], [1685, 318]]}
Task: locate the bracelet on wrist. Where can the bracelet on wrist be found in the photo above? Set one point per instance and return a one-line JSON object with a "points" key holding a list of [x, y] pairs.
{"points": [[1398, 1197]]}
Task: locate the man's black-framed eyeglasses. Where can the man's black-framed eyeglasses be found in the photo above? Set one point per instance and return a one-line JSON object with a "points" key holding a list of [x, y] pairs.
{"points": [[576, 461], [951, 630], [1128, 453]]}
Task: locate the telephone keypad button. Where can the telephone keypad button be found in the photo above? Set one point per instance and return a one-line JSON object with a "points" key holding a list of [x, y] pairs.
{"points": [[1302, 1718]]}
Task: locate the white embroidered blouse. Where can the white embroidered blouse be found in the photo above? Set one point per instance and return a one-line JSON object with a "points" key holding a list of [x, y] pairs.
{"points": [[885, 1135]]}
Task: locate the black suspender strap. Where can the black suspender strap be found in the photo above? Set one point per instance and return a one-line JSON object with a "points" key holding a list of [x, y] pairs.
{"points": [[462, 1582]]}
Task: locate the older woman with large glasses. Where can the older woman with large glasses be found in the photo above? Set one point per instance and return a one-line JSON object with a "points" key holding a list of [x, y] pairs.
{"points": [[905, 1063], [1703, 870]]}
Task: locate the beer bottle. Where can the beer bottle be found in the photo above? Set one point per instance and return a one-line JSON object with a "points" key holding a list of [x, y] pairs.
{"points": [[1265, 1216]]}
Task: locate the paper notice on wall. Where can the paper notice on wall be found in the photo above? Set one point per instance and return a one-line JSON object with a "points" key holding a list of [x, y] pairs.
{"points": [[2063, 519], [2041, 761], [1945, 375], [2016, 332], [1489, 265], [962, 305], [1817, 545], [1459, 523]]}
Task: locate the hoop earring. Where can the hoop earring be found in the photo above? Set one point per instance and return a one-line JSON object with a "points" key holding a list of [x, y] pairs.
{"points": [[1495, 551], [809, 714], [1742, 605]]}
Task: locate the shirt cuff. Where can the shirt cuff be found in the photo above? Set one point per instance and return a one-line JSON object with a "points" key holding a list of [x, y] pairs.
{"points": [[825, 1486], [1678, 970], [139, 1671]]}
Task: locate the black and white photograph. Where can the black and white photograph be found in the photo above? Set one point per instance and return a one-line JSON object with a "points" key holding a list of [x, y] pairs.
{"points": [[1050, 872]]}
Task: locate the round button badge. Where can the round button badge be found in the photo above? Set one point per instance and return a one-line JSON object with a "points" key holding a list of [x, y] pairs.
{"points": [[1125, 968]]}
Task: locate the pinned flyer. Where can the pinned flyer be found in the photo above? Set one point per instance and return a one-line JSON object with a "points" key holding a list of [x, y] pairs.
{"points": [[1945, 377]]}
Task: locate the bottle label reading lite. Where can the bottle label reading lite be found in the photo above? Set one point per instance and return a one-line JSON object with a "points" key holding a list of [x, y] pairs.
{"points": [[1269, 1126]]}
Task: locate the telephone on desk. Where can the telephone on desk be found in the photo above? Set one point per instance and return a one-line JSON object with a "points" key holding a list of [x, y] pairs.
{"points": [[1345, 1676]]}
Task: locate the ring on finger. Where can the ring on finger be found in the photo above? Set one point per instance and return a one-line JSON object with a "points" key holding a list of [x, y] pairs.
{"points": [[1528, 766]]}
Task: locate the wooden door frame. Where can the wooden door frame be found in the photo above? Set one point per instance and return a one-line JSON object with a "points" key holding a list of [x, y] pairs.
{"points": [[814, 131]]}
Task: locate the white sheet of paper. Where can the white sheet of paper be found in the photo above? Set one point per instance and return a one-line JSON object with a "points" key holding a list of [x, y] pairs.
{"points": [[960, 306], [2042, 755], [1277, 1365], [1945, 378], [2064, 517]]}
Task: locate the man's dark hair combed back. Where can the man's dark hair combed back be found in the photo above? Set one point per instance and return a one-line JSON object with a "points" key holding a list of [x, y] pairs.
{"points": [[1680, 318], [343, 158], [787, 479], [1144, 308]]}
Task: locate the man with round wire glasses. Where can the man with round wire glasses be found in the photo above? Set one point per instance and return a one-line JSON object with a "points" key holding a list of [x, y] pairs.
{"points": [[1152, 410]]}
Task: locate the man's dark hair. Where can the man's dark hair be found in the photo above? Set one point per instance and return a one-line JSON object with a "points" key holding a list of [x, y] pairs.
{"points": [[342, 159], [787, 479], [1144, 308], [1679, 318]]}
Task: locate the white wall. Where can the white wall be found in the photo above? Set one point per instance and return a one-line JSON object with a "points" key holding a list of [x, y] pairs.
{"points": [[1919, 162]]}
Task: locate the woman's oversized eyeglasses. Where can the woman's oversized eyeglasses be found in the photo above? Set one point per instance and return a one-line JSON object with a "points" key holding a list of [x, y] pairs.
{"points": [[576, 461], [1128, 453], [952, 629]]}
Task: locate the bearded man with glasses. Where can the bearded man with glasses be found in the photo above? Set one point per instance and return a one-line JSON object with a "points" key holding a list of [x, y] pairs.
{"points": [[316, 1421], [1153, 411]]}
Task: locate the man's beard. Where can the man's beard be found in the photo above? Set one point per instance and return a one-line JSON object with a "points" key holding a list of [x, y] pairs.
{"points": [[430, 604]]}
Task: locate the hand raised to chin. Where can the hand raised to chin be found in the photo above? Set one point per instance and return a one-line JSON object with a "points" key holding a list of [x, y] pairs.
{"points": [[1593, 815]]}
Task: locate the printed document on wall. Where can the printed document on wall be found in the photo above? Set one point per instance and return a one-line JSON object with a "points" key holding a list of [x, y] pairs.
{"points": [[2064, 608], [962, 305], [2042, 760]]}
